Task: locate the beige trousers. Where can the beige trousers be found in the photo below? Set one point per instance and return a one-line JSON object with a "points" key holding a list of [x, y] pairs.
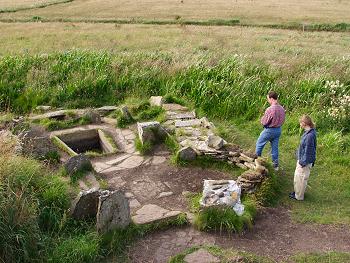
{"points": [[301, 175]]}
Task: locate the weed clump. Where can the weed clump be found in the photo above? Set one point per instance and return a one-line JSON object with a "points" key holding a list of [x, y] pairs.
{"points": [[225, 218]]}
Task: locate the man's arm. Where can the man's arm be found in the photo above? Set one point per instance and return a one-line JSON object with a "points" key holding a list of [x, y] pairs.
{"points": [[267, 118]]}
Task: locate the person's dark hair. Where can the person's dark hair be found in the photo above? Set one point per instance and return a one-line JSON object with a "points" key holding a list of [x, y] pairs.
{"points": [[273, 94], [307, 120]]}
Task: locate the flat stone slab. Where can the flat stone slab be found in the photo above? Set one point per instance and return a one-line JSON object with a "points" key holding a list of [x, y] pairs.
{"points": [[165, 194], [180, 116], [152, 213], [49, 115], [158, 160], [106, 109], [118, 159], [188, 123], [131, 162], [174, 107], [201, 256], [100, 166]]}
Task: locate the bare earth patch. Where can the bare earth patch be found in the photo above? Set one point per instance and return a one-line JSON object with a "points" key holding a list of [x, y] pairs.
{"points": [[274, 235]]}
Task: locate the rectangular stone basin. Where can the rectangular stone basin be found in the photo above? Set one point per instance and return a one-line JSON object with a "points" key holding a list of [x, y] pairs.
{"points": [[81, 141]]}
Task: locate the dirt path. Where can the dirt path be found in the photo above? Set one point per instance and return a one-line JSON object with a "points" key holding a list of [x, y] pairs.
{"points": [[274, 235]]}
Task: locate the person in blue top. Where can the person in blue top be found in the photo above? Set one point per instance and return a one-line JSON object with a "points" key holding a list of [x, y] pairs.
{"points": [[306, 158]]}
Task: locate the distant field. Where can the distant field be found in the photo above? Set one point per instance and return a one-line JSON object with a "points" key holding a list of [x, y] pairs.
{"points": [[247, 11], [14, 4], [275, 46]]}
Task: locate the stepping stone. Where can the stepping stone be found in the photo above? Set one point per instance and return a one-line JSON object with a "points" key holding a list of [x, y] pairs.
{"points": [[174, 107], [118, 159], [158, 160], [189, 123], [100, 166], [180, 116], [113, 169], [131, 162], [165, 194], [152, 213], [201, 256]]}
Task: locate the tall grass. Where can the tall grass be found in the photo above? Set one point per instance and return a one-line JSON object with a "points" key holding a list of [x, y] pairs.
{"points": [[235, 86]]}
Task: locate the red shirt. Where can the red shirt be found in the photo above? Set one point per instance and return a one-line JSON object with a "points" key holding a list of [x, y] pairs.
{"points": [[274, 116]]}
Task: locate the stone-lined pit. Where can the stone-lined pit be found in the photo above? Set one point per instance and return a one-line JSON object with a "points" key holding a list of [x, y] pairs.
{"points": [[81, 141]]}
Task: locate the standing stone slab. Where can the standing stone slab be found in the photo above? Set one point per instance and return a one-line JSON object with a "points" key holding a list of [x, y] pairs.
{"points": [[126, 113], [150, 132], [113, 211], [187, 154], [85, 204], [78, 163], [93, 116], [201, 256]]}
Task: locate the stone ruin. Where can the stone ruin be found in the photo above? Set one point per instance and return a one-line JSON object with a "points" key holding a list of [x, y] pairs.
{"points": [[196, 136]]}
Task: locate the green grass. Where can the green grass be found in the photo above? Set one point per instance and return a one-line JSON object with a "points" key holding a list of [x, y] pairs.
{"points": [[326, 199], [332, 256], [144, 148], [79, 248], [225, 219], [198, 82]]}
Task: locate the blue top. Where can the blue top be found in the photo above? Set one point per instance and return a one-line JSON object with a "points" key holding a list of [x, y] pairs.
{"points": [[307, 148]]}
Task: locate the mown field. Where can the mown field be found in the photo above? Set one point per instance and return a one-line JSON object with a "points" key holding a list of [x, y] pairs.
{"points": [[224, 72], [247, 11]]}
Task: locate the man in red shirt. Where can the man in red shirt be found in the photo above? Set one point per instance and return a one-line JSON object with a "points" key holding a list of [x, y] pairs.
{"points": [[272, 121]]}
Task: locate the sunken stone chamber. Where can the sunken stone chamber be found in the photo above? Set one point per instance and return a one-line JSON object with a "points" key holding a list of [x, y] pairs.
{"points": [[81, 141]]}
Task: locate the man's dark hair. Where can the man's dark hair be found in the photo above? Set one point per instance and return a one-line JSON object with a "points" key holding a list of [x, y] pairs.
{"points": [[273, 94]]}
